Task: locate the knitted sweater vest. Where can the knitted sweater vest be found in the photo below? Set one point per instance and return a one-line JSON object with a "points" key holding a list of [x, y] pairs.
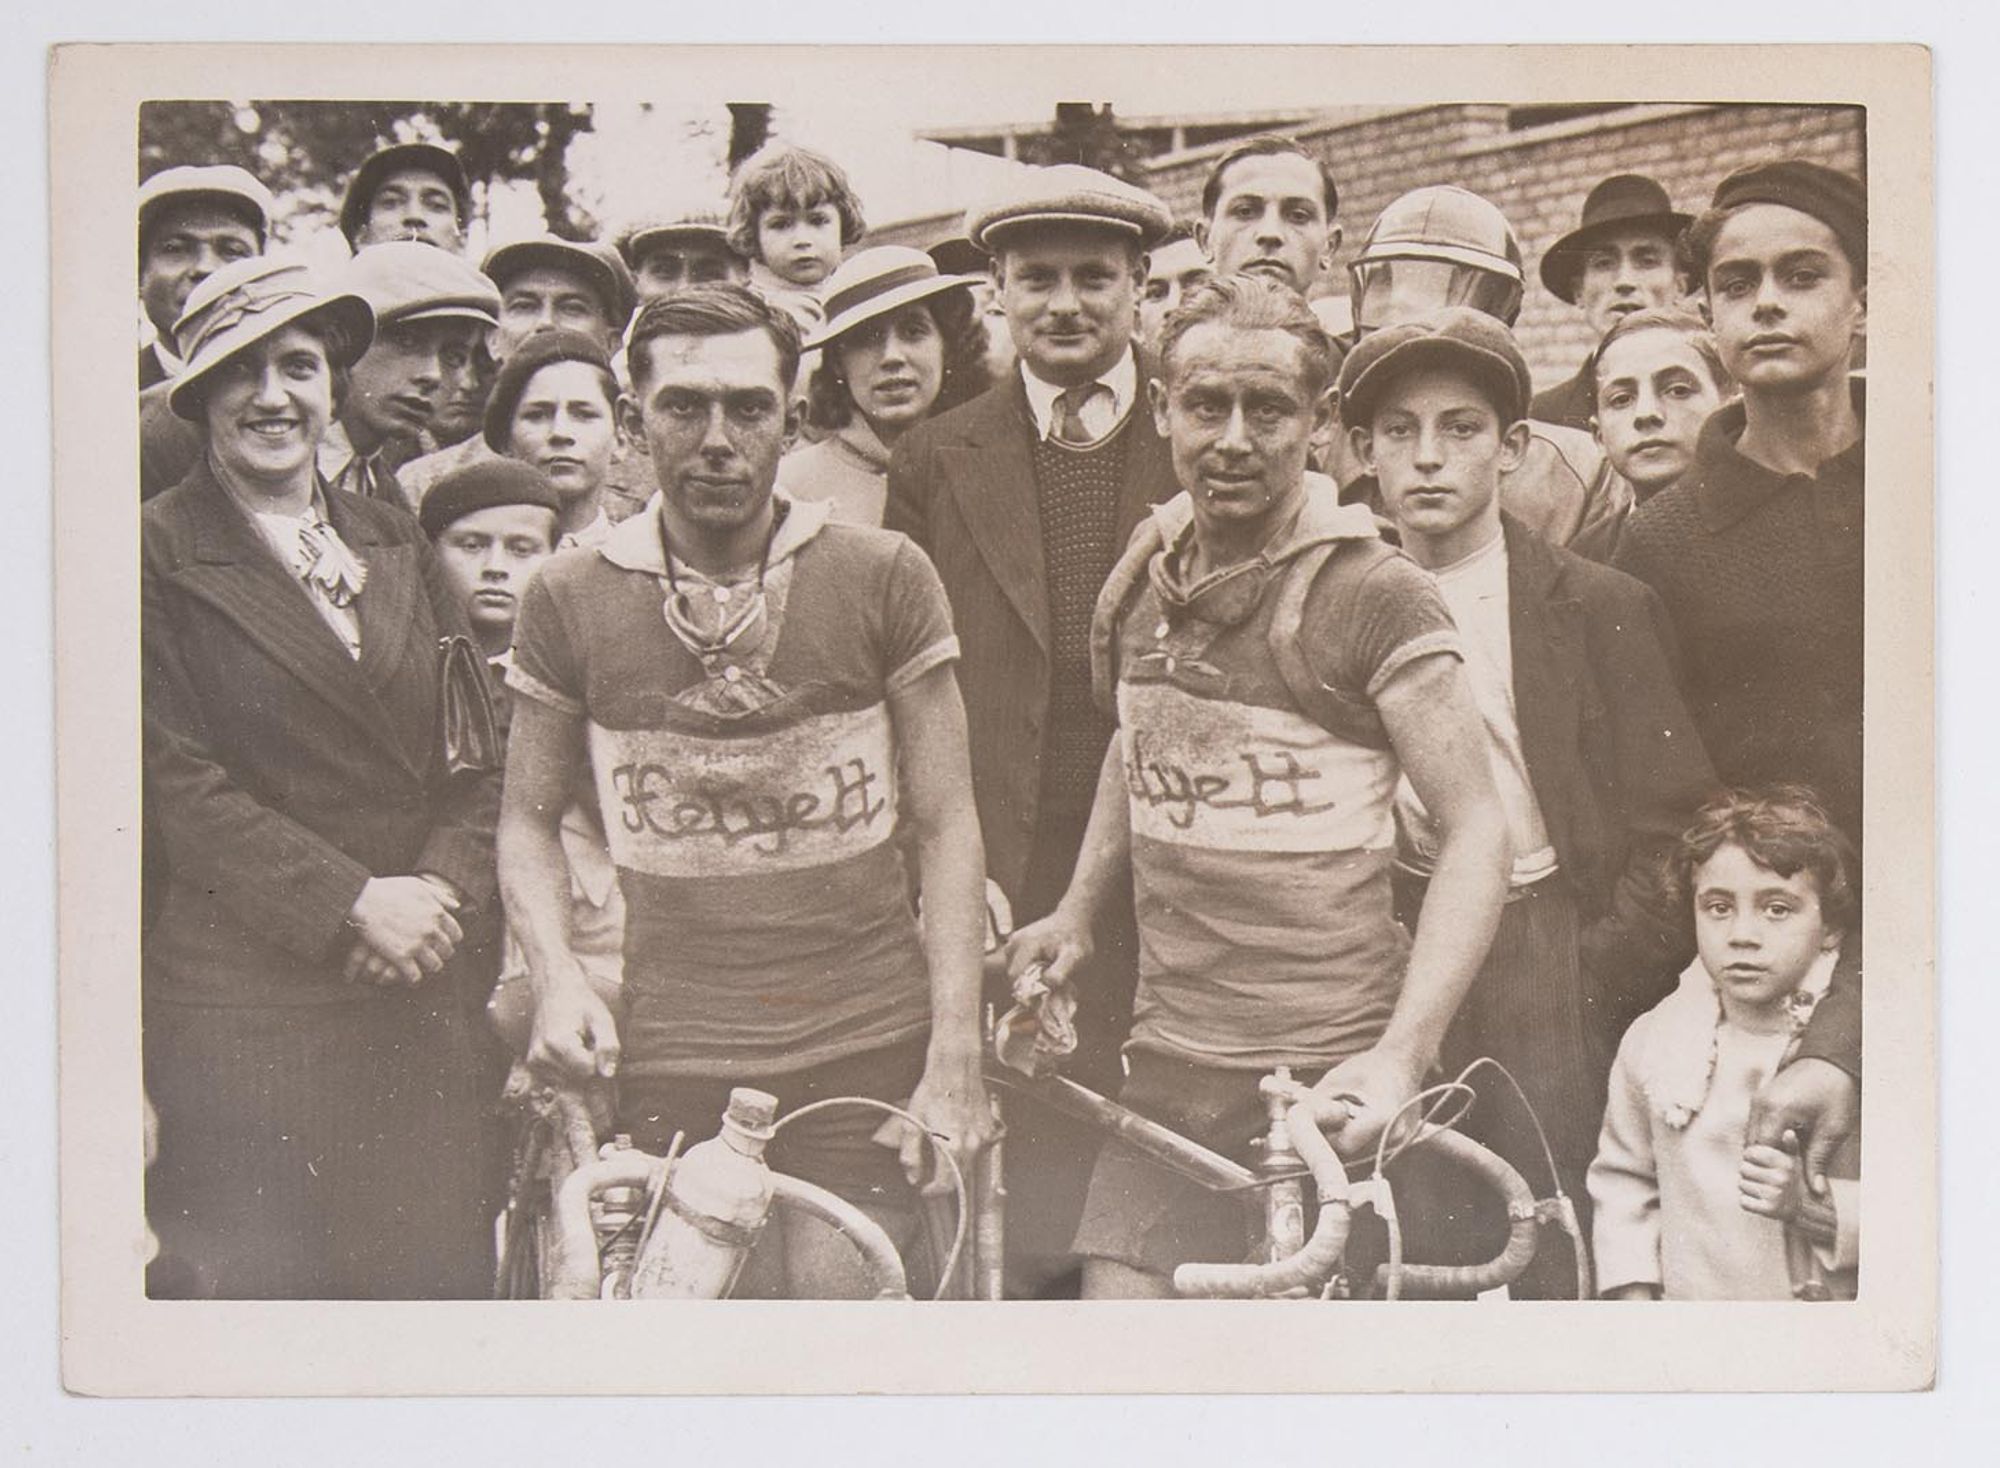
{"points": [[1077, 491]]}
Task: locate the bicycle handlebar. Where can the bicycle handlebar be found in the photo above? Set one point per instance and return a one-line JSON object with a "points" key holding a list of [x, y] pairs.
{"points": [[1322, 1252], [1514, 1257], [1314, 1263]]}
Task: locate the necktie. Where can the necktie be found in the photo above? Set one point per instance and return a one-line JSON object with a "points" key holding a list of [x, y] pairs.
{"points": [[1068, 418]]}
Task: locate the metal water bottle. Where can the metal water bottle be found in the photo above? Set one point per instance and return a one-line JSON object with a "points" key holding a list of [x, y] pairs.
{"points": [[715, 1202]]}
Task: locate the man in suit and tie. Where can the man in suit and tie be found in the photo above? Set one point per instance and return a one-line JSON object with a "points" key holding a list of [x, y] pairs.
{"points": [[1023, 499]]}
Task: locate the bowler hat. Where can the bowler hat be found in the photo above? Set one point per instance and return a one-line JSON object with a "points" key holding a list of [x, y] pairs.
{"points": [[428, 157], [557, 345], [224, 184], [481, 486], [1067, 193], [1455, 336], [405, 280], [248, 300], [595, 262], [875, 282], [1623, 201]]}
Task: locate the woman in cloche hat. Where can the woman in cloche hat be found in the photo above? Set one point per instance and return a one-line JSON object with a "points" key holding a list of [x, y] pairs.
{"points": [[901, 342], [304, 1044]]}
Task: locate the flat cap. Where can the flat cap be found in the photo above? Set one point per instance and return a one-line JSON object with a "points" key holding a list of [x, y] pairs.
{"points": [[1838, 200], [1455, 336], [1067, 193], [441, 162], [482, 486], [405, 280], [649, 234], [538, 351], [227, 185], [590, 260]]}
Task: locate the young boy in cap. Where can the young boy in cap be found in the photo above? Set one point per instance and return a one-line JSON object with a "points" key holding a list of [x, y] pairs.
{"points": [[545, 283], [1758, 550], [430, 308], [1023, 498], [192, 222], [1273, 667], [1619, 259], [412, 191], [1439, 246], [492, 524], [1593, 754]]}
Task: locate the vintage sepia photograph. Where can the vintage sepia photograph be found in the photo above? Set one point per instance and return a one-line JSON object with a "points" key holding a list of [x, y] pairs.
{"points": [[933, 697]]}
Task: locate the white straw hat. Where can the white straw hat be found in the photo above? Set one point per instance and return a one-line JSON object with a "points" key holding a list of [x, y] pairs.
{"points": [[873, 283]]}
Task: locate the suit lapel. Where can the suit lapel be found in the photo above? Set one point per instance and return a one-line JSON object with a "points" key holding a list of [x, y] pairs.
{"points": [[1149, 471], [235, 573], [992, 474], [1545, 638]]}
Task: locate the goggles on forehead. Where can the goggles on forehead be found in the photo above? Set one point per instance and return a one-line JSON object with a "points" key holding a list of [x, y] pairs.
{"points": [[1387, 292]]}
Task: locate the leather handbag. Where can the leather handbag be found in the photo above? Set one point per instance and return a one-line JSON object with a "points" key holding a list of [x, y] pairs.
{"points": [[468, 733]]}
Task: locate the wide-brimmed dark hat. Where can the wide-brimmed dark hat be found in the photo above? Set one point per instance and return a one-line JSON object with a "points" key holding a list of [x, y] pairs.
{"points": [[877, 281], [377, 166], [245, 302], [595, 262], [1623, 201]]}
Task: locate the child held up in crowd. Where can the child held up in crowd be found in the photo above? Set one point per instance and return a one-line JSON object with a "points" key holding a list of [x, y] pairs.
{"points": [[1685, 1209], [791, 213]]}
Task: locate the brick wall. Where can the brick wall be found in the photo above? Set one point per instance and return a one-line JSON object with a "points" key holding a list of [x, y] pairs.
{"points": [[1539, 176]]}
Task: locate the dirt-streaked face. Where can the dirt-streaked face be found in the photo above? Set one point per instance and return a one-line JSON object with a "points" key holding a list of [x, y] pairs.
{"points": [[1235, 407]]}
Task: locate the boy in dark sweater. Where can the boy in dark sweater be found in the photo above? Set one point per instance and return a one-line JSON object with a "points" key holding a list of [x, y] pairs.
{"points": [[1757, 551]]}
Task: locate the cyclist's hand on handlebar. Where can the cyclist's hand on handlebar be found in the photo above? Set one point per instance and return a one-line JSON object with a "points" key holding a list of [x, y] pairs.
{"points": [[574, 1036], [1057, 943], [952, 1104], [1374, 1085]]}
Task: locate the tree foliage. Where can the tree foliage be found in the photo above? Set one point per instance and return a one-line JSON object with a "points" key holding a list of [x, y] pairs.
{"points": [[307, 149]]}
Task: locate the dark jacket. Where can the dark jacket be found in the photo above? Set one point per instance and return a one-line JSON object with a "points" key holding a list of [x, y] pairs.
{"points": [[1761, 573], [151, 368], [963, 487], [1612, 753], [169, 445], [283, 774], [1568, 403]]}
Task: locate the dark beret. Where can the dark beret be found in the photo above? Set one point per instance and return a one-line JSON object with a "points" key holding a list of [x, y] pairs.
{"points": [[1838, 200], [556, 344], [481, 486]]}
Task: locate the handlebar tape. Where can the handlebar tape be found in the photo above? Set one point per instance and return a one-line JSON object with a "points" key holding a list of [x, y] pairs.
{"points": [[1505, 1267]]}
